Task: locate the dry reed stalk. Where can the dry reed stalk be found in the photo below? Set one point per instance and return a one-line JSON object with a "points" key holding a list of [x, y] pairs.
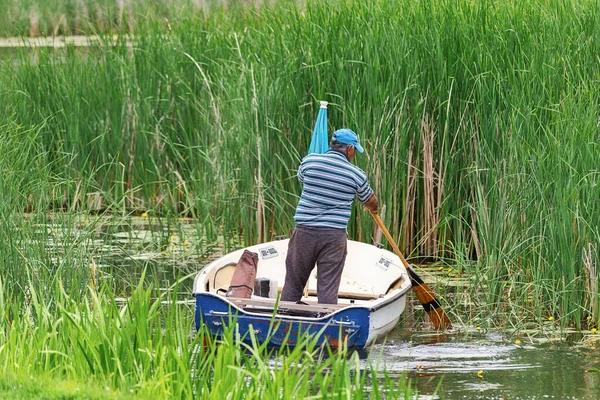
{"points": [[29, 207], [441, 174], [64, 204], [377, 235], [131, 125], [396, 154], [77, 201], [591, 277], [120, 11], [182, 191], [130, 17], [200, 5], [430, 216], [34, 24], [62, 21], [94, 201], [409, 202], [474, 235], [377, 161], [483, 209], [260, 206], [260, 209], [81, 15], [395, 186], [93, 275], [101, 22]]}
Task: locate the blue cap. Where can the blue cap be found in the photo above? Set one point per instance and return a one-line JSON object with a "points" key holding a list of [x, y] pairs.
{"points": [[348, 137]]}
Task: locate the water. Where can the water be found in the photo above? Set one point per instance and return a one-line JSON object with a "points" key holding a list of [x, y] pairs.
{"points": [[125, 248], [542, 366], [449, 366]]}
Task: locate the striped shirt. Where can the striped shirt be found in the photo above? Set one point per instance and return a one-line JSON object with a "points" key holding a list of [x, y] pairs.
{"points": [[330, 183]]}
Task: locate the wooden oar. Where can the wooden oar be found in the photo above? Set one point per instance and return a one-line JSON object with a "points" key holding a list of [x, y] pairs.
{"points": [[426, 297]]}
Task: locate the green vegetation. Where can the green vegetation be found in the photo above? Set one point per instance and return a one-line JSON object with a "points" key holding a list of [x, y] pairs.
{"points": [[479, 118], [480, 121], [81, 17], [99, 347], [36, 388]]}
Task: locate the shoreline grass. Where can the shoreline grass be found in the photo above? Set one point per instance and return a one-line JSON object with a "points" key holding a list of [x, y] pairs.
{"points": [[146, 348], [42, 387]]}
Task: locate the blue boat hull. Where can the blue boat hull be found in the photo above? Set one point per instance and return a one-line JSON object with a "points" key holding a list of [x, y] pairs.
{"points": [[349, 325]]}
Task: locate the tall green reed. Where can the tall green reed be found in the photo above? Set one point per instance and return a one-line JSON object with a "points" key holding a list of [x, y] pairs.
{"points": [[479, 120], [77, 17], [146, 346]]}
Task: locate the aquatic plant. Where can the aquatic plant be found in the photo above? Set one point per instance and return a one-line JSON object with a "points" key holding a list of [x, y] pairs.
{"points": [[479, 120], [79, 17], [145, 346]]}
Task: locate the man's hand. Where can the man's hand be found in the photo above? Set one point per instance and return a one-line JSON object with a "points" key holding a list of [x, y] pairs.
{"points": [[372, 204]]}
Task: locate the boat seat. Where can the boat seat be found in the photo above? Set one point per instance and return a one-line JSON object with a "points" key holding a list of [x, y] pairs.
{"points": [[352, 295], [223, 275], [285, 305], [397, 284]]}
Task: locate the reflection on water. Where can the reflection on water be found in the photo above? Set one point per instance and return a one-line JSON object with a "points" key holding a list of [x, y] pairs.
{"points": [[452, 364]]}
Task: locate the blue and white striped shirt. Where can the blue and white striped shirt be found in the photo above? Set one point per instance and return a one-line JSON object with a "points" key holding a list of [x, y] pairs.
{"points": [[330, 183]]}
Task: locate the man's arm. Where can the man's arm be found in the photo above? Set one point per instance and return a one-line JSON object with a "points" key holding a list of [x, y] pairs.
{"points": [[372, 204], [301, 173]]}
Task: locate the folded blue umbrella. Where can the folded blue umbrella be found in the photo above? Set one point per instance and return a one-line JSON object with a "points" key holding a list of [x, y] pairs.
{"points": [[319, 143]]}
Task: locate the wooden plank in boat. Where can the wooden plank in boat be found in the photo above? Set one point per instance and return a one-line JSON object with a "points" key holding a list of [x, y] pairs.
{"points": [[352, 295], [289, 305]]}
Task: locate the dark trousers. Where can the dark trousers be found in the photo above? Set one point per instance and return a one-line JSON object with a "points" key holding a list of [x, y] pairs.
{"points": [[308, 246]]}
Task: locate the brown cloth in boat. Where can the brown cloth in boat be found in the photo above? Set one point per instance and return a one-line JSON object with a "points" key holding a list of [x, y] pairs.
{"points": [[242, 282]]}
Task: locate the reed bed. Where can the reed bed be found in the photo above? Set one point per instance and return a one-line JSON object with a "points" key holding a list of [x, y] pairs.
{"points": [[145, 348], [34, 18], [480, 121]]}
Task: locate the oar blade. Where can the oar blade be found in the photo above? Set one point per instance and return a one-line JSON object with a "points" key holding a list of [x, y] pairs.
{"points": [[429, 302]]}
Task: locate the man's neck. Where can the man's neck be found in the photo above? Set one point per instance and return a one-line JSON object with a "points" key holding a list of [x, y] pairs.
{"points": [[339, 152]]}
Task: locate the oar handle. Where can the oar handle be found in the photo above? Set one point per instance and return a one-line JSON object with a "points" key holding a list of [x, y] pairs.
{"points": [[389, 238]]}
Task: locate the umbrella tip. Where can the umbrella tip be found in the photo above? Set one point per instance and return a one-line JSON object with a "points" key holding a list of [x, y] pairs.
{"points": [[324, 104]]}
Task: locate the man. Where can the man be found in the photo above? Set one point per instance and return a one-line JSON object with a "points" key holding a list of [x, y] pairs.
{"points": [[329, 184]]}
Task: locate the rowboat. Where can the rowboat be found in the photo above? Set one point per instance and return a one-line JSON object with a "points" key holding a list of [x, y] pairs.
{"points": [[372, 296]]}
